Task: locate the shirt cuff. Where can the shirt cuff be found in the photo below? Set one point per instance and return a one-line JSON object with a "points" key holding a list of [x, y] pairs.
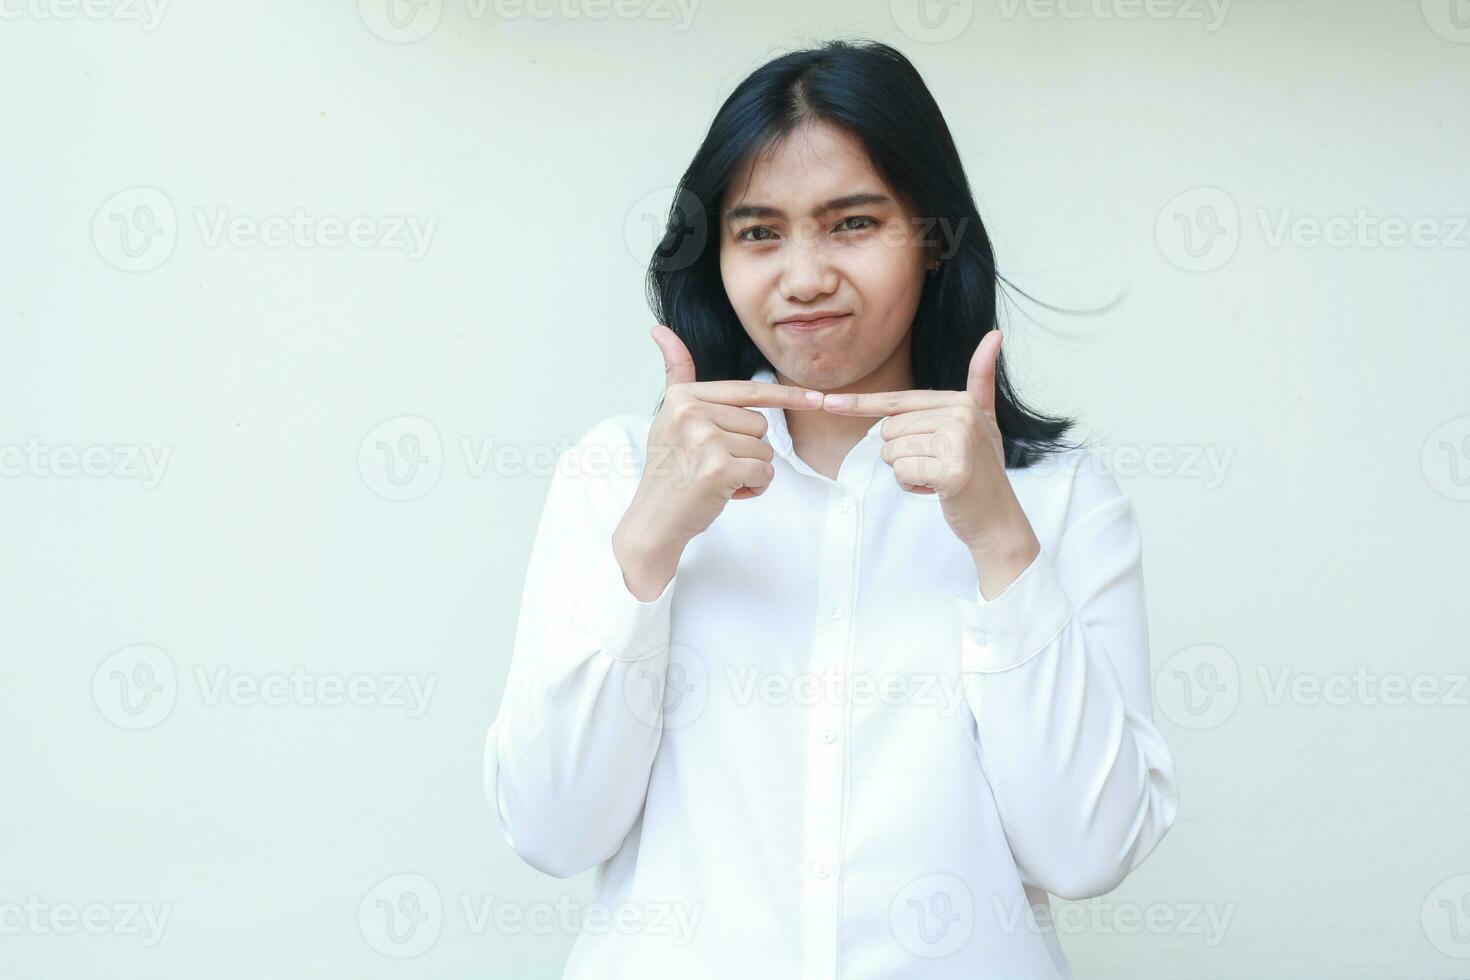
{"points": [[620, 624], [1016, 623]]}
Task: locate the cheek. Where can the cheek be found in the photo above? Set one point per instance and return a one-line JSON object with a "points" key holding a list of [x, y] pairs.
{"points": [[741, 286], [888, 277]]}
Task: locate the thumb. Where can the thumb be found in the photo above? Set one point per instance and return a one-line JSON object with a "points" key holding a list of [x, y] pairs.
{"points": [[678, 363], [980, 383]]}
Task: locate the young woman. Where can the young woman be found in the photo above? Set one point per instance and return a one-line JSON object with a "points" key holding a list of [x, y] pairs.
{"points": [[836, 665]]}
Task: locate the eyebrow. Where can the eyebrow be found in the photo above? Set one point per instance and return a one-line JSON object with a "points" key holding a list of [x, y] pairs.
{"points": [[836, 204]]}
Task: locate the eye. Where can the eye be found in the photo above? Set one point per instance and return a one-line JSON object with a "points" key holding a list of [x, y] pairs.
{"points": [[741, 235], [844, 226]]}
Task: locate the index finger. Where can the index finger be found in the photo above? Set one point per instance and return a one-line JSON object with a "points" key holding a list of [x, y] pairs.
{"points": [[876, 403], [755, 394]]}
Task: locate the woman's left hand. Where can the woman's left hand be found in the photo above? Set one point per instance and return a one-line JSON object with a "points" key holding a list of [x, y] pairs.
{"points": [[948, 443]]}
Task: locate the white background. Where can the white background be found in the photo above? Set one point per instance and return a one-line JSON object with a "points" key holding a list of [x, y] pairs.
{"points": [[1329, 535]]}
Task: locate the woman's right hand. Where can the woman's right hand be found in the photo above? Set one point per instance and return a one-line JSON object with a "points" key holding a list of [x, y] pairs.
{"points": [[704, 450]]}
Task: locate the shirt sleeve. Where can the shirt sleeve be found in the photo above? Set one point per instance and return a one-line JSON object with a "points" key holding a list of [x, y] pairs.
{"points": [[568, 756], [1056, 672]]}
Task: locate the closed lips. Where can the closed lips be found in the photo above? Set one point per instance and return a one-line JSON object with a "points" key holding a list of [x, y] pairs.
{"points": [[814, 321]]}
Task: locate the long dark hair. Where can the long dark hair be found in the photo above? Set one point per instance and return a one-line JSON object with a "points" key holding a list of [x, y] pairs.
{"points": [[871, 90]]}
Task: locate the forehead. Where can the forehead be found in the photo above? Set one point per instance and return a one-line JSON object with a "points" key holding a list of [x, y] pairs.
{"points": [[813, 163]]}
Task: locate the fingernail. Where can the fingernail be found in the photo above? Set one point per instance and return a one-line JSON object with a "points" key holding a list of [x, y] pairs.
{"points": [[837, 401], [815, 397]]}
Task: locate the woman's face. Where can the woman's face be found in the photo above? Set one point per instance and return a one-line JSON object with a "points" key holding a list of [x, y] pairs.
{"points": [[783, 254]]}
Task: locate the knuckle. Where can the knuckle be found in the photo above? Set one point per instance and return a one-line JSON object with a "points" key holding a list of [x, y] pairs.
{"points": [[710, 467], [685, 411]]}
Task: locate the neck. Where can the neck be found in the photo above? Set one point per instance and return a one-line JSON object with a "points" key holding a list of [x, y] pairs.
{"points": [[823, 439]]}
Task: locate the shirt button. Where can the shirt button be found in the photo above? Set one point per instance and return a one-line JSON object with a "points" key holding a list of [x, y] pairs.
{"points": [[834, 611], [820, 869], [829, 734], [845, 504], [981, 637]]}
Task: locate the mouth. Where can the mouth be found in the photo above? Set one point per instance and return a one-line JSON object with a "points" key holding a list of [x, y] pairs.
{"points": [[807, 326]]}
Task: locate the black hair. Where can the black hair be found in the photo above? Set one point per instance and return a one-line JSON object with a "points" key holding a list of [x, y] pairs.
{"points": [[873, 92]]}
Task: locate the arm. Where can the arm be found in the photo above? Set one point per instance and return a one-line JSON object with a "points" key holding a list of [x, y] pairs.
{"points": [[1056, 673], [568, 757]]}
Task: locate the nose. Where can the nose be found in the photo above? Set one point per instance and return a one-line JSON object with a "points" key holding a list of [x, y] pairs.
{"points": [[807, 272]]}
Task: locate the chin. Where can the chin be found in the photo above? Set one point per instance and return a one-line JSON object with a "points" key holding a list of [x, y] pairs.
{"points": [[822, 377]]}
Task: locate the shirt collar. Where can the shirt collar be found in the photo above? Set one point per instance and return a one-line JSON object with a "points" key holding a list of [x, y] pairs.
{"points": [[780, 436]]}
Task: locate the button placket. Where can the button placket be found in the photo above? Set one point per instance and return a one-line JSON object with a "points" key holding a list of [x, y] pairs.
{"points": [[826, 768]]}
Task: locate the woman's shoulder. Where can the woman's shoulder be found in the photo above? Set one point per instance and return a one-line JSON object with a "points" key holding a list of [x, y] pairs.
{"points": [[612, 447], [621, 431], [601, 469], [1076, 477]]}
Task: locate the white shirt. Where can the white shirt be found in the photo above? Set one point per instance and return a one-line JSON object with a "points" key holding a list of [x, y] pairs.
{"points": [[820, 753]]}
